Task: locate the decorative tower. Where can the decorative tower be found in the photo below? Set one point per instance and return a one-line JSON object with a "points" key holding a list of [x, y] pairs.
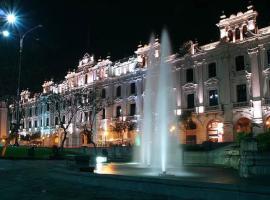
{"points": [[238, 27]]}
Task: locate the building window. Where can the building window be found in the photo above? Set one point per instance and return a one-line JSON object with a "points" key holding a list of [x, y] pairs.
{"points": [[213, 98], [64, 119], [118, 111], [118, 91], [30, 112], [240, 63], [47, 122], [36, 111], [48, 107], [103, 93], [245, 31], [190, 101], [30, 124], [41, 123], [133, 88], [132, 109], [35, 123], [56, 106], [103, 113], [237, 34], [189, 75], [268, 57], [56, 121], [86, 116], [212, 70], [230, 35], [85, 79], [241, 93]]}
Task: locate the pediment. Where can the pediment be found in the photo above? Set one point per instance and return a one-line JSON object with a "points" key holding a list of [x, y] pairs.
{"points": [[211, 81], [267, 71], [189, 86], [131, 98]]}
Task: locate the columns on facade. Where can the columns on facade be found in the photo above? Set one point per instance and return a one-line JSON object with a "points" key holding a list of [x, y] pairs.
{"points": [[241, 33], [225, 93], [256, 77], [200, 100]]}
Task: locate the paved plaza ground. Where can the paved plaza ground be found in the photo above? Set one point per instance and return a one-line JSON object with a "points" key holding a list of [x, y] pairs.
{"points": [[53, 180], [41, 180]]}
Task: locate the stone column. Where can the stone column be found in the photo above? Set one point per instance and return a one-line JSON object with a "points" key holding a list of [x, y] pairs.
{"points": [[225, 99], [256, 76], [200, 100], [241, 33]]}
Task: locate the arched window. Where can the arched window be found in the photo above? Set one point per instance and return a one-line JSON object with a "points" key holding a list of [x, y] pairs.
{"points": [[267, 124], [237, 34], [245, 31], [215, 131], [230, 35], [243, 125]]}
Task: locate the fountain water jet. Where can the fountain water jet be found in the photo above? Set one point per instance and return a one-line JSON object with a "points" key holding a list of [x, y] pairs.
{"points": [[160, 143]]}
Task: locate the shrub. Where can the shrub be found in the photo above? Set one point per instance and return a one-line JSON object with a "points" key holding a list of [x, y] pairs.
{"points": [[263, 141], [243, 136]]}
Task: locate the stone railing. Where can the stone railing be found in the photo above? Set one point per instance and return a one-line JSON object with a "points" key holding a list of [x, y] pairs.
{"points": [[241, 104], [266, 102], [212, 108]]}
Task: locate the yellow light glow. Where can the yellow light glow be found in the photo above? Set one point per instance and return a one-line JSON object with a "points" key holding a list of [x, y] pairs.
{"points": [[172, 129], [106, 133]]}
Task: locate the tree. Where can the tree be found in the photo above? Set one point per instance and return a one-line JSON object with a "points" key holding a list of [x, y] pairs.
{"points": [[121, 126], [94, 101], [64, 106]]}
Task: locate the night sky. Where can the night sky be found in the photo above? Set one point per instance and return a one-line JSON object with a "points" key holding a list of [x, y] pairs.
{"points": [[72, 28]]}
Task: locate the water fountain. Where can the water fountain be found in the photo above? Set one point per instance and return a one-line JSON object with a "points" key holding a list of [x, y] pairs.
{"points": [[159, 152], [160, 144]]}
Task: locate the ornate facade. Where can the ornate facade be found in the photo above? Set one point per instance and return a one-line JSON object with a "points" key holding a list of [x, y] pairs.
{"points": [[224, 85]]}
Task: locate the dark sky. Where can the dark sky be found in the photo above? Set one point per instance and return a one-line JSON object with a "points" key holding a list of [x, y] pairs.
{"points": [[102, 27]]}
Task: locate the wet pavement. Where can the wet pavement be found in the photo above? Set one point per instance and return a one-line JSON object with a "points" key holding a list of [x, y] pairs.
{"points": [[50, 180], [25, 179]]}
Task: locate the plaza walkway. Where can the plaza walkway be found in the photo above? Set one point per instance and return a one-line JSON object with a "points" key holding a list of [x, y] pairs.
{"points": [[53, 180]]}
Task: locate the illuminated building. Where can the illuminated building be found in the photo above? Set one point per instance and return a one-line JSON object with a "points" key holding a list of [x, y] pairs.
{"points": [[225, 85]]}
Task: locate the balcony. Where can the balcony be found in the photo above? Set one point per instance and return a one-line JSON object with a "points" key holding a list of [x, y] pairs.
{"points": [[212, 108], [188, 110], [266, 102], [241, 104]]}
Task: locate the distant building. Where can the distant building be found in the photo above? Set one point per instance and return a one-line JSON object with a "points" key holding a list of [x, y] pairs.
{"points": [[3, 122], [224, 85]]}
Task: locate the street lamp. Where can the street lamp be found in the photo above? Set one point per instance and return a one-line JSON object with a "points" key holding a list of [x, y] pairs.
{"points": [[11, 18], [5, 33], [21, 36]]}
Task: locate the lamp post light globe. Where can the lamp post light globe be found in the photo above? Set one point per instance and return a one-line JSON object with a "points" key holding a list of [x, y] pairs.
{"points": [[11, 18], [5, 33]]}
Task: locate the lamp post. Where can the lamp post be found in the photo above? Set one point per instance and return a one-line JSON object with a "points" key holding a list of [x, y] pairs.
{"points": [[11, 18], [21, 37]]}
